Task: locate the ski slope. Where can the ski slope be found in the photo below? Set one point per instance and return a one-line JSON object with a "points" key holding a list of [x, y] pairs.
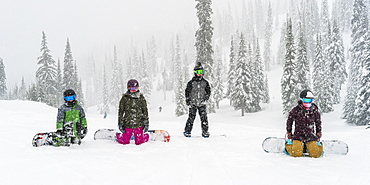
{"points": [[235, 159]]}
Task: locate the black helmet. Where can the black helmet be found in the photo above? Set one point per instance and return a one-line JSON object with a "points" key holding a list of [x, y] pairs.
{"points": [[69, 92], [306, 94]]}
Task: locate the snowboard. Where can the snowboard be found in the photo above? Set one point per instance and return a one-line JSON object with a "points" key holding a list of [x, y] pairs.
{"points": [[43, 139], [50, 139], [110, 134], [277, 145]]}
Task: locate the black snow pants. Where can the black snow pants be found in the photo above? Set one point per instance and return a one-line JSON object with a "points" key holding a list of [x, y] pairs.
{"points": [[191, 118]]}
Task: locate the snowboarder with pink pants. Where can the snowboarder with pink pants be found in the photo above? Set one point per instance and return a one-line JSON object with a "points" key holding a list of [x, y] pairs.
{"points": [[133, 115]]}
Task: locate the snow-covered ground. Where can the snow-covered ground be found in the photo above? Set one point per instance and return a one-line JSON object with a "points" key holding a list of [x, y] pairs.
{"points": [[235, 159]]}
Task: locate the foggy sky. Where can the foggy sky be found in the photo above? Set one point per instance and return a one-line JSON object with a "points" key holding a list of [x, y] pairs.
{"points": [[87, 23]]}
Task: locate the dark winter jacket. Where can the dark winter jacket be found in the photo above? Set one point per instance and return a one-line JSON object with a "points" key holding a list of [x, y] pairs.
{"points": [[133, 111], [307, 123], [197, 91], [71, 112]]}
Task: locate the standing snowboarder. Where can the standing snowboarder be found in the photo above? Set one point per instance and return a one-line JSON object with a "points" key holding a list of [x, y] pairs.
{"points": [[307, 128], [71, 122], [197, 92], [133, 115]]}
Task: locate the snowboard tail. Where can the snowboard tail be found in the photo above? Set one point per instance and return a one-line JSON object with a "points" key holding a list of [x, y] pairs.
{"points": [[110, 134], [277, 145]]}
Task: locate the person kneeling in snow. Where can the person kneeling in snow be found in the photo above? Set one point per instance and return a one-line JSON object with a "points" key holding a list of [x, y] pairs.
{"points": [[133, 115], [71, 121], [307, 128]]}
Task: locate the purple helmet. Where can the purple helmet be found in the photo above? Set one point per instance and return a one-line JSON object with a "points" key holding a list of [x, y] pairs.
{"points": [[132, 83]]}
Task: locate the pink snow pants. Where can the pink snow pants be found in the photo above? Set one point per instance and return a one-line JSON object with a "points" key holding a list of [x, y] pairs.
{"points": [[140, 137]]}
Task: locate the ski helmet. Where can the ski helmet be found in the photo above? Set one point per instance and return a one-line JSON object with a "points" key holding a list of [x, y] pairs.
{"points": [[132, 83], [69, 95], [306, 94], [69, 92]]}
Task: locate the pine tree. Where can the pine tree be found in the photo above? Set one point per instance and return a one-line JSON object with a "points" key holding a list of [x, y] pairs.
{"points": [[303, 66], [46, 75], [203, 44], [146, 84], [338, 63], [218, 83], [268, 39], [69, 82], [179, 81], [231, 73], [105, 106], [2, 81], [289, 79], [242, 96], [23, 90], [359, 29], [362, 112], [261, 93], [116, 85], [59, 84]]}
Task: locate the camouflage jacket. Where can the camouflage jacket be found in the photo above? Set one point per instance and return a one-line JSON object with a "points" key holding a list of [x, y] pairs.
{"points": [[133, 111], [307, 123], [71, 113]]}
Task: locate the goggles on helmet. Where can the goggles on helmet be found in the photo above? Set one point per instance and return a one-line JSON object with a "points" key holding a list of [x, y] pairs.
{"points": [[198, 71], [69, 98], [307, 100]]}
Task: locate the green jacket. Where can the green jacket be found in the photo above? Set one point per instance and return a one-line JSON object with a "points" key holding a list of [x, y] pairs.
{"points": [[71, 113], [133, 111]]}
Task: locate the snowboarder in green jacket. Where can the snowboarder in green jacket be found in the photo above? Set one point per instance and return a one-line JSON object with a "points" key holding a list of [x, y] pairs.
{"points": [[71, 121]]}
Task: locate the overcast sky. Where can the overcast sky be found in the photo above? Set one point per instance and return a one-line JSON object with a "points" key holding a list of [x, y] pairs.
{"points": [[87, 23]]}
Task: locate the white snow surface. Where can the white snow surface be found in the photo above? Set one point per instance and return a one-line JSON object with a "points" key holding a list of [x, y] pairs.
{"points": [[237, 158]]}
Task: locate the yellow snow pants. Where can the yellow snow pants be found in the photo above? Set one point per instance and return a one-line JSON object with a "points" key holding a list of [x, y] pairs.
{"points": [[296, 149]]}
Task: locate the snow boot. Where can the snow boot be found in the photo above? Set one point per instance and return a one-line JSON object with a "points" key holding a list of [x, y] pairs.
{"points": [[187, 134]]}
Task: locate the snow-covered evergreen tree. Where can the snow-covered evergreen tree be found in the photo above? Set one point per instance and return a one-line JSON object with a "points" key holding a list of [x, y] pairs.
{"points": [[146, 83], [46, 75], [218, 82], [105, 106], [23, 90], [203, 44], [289, 80], [322, 80], [261, 88], [59, 85], [2, 81], [338, 63], [267, 57], [115, 82], [69, 82], [359, 29], [303, 65], [231, 73], [362, 112], [179, 81], [242, 96]]}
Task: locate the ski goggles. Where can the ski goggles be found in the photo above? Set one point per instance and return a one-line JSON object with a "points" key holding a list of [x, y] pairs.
{"points": [[199, 71], [69, 98], [307, 100], [132, 88]]}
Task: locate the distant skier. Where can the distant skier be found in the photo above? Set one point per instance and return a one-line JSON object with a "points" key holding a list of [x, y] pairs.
{"points": [[105, 115], [133, 115], [71, 122], [307, 127], [197, 92]]}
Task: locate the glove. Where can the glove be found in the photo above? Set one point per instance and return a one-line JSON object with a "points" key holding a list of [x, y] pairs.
{"points": [[146, 126], [289, 140], [318, 136], [83, 132], [121, 128]]}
